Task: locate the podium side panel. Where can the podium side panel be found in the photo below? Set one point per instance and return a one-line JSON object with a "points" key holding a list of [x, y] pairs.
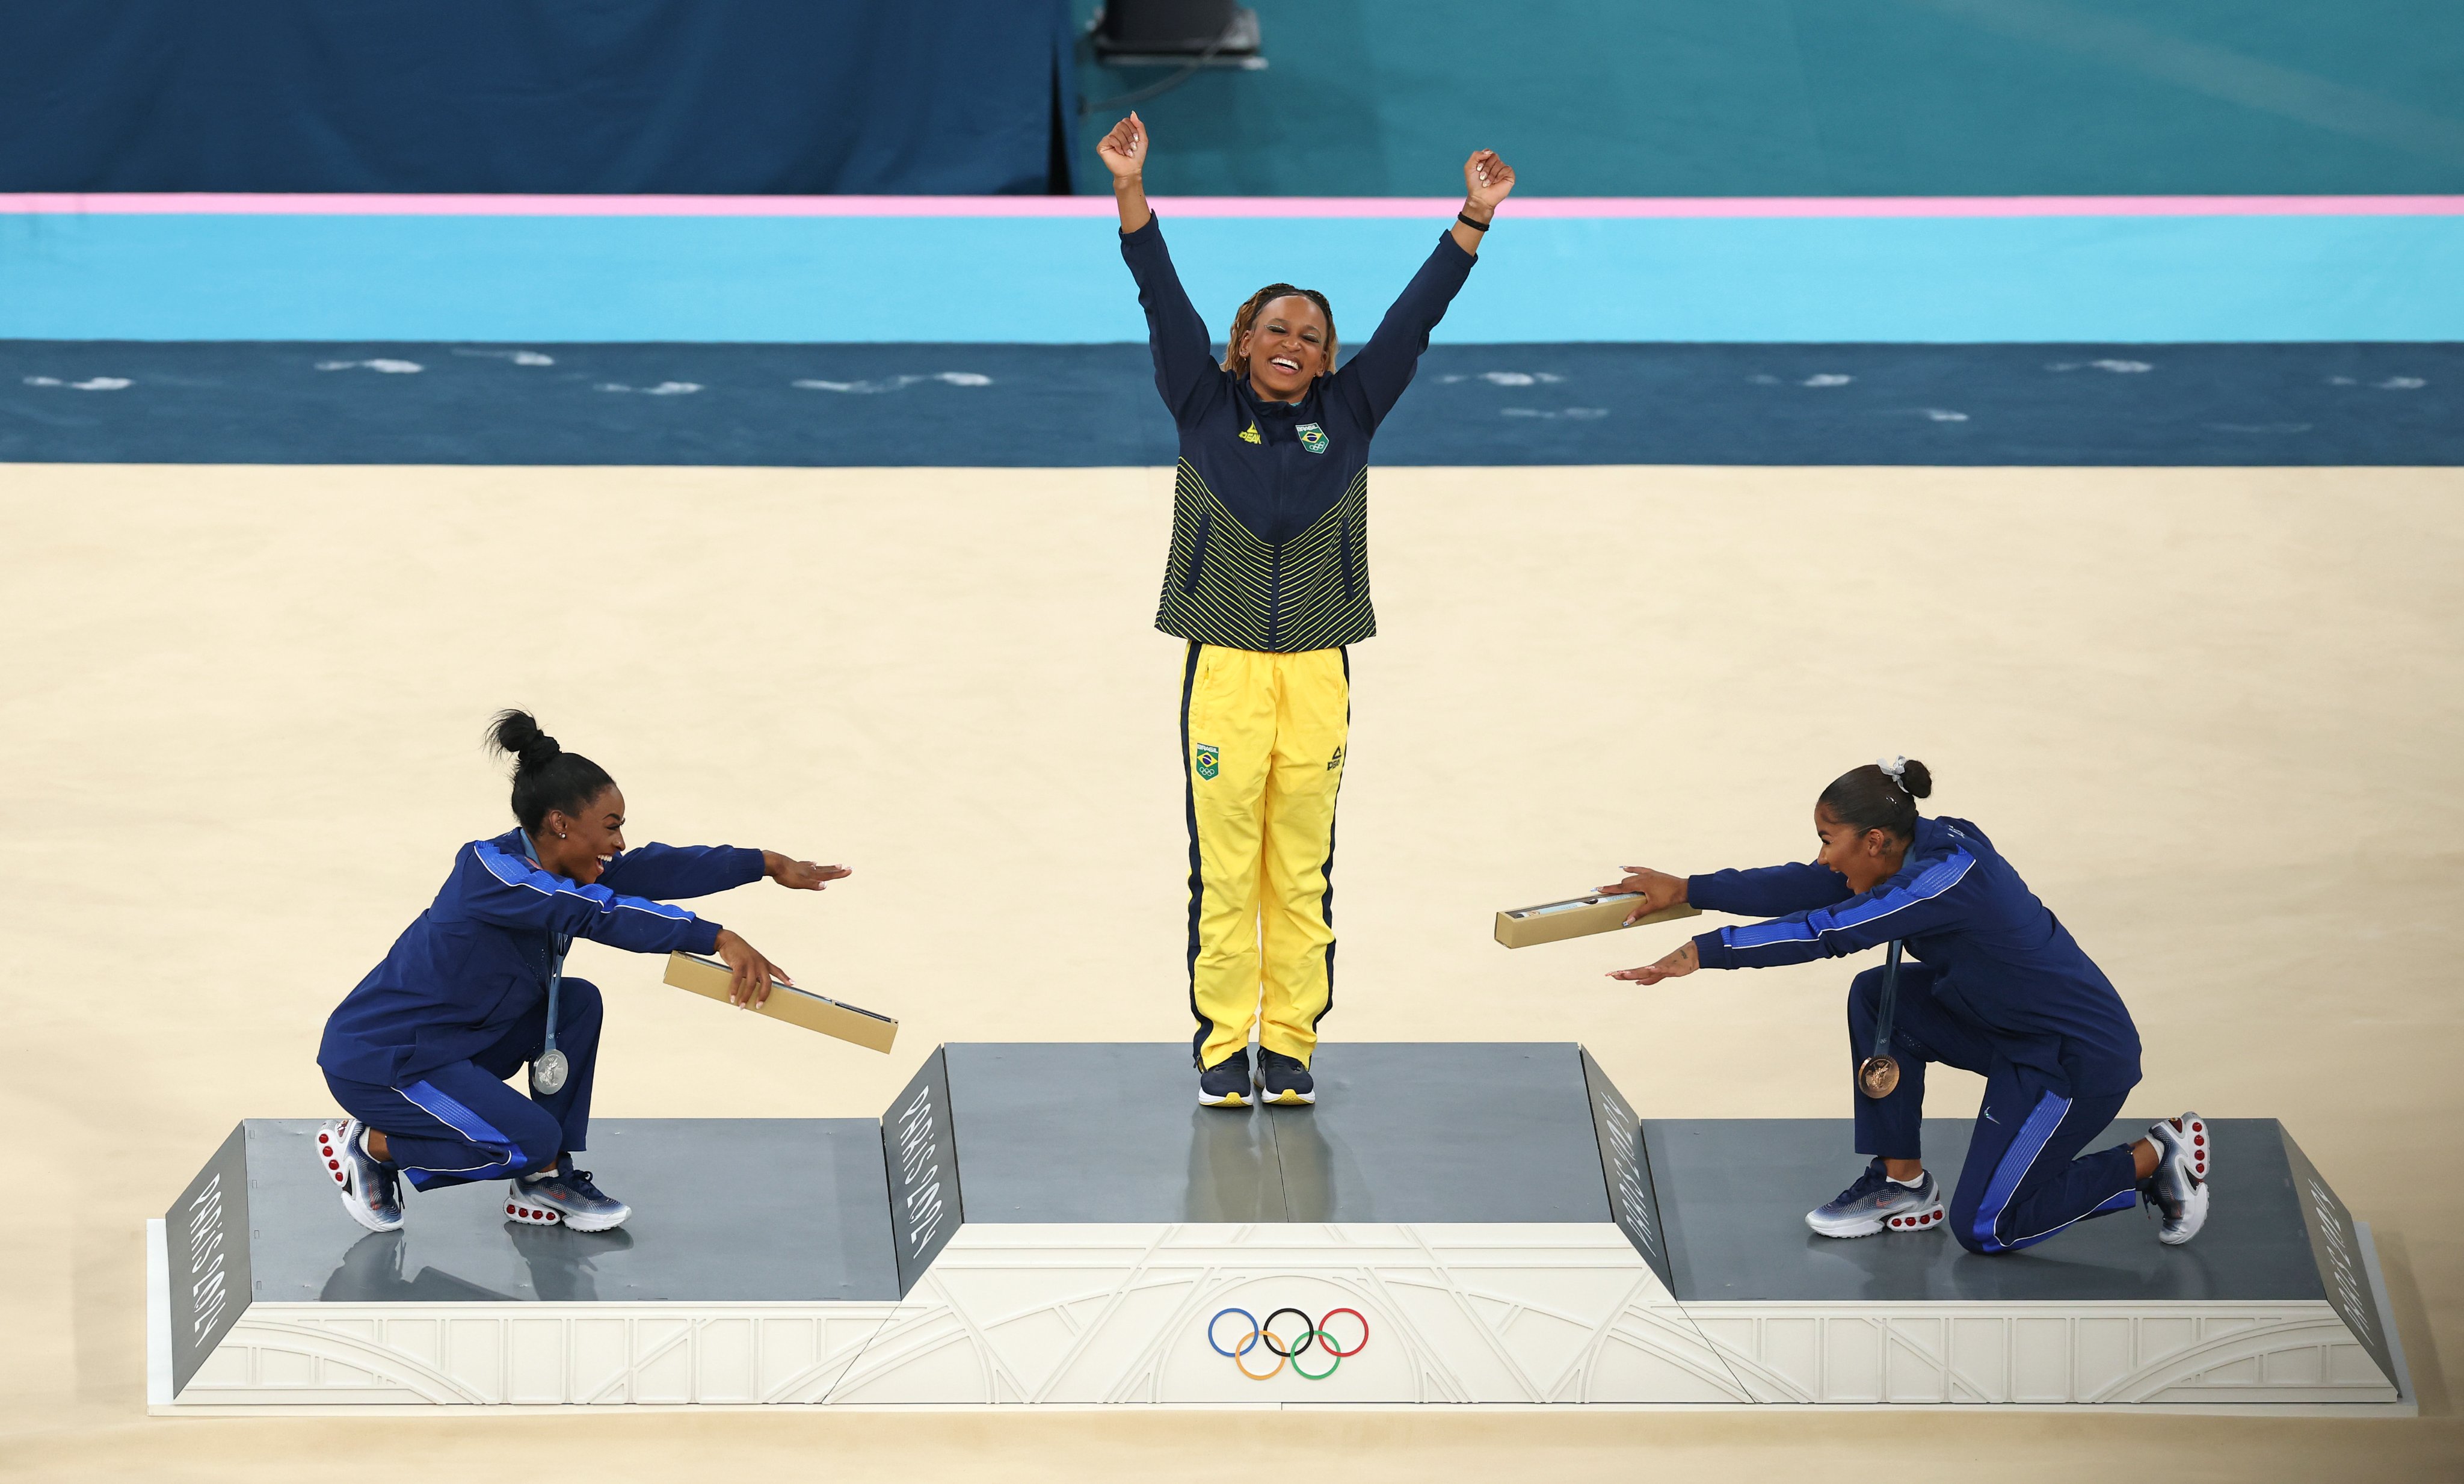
{"points": [[919, 1146], [206, 1235], [2337, 1246], [1627, 1165]]}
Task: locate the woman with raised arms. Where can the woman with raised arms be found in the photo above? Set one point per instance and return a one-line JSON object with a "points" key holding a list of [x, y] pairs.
{"points": [[1268, 580]]}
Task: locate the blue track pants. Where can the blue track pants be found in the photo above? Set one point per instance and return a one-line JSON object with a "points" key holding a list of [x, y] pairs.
{"points": [[460, 1122], [2022, 1181]]}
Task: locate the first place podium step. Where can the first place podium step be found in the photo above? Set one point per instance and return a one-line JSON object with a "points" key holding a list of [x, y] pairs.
{"points": [[1453, 1223]]}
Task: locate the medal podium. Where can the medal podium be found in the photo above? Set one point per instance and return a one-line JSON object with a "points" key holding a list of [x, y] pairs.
{"points": [[1456, 1224]]}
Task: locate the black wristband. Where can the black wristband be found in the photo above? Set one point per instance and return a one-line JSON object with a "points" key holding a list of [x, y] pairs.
{"points": [[1478, 227]]}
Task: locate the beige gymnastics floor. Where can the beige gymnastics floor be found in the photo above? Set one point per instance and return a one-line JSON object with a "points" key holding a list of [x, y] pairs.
{"points": [[2211, 714]]}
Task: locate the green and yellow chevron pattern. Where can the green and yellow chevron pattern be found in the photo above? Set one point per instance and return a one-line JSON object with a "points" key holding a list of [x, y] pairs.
{"points": [[1223, 585]]}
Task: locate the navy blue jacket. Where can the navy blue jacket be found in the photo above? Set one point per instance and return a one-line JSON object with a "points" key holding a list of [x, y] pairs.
{"points": [[1269, 527], [479, 959], [2003, 961]]}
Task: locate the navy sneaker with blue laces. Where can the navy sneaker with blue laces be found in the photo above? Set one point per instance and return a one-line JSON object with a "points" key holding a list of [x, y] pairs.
{"points": [[1227, 1084], [1879, 1203], [1285, 1078]]}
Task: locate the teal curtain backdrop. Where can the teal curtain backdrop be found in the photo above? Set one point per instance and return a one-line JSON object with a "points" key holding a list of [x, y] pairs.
{"points": [[1820, 97]]}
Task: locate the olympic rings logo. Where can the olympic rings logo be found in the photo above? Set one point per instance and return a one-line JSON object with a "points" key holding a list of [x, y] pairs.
{"points": [[1287, 1352]]}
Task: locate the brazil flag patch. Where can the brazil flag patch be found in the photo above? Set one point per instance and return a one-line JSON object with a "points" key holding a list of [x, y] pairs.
{"points": [[1210, 762], [1313, 437]]}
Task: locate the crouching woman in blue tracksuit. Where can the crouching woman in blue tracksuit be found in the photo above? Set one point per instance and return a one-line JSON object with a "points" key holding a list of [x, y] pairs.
{"points": [[418, 1054], [1998, 987]]}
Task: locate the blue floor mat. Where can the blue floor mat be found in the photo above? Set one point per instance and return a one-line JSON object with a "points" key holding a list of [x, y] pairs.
{"points": [[1065, 405]]}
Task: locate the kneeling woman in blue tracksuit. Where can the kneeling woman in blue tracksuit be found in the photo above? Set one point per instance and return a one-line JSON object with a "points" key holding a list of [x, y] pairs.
{"points": [[1999, 988], [418, 1054]]}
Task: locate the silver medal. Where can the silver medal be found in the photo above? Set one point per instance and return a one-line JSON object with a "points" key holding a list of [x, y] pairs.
{"points": [[549, 1068]]}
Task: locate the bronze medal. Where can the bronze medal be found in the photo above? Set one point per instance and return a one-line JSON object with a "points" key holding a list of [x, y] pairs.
{"points": [[1880, 1073], [1877, 1075]]}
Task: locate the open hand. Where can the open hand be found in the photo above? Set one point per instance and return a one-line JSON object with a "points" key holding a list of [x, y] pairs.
{"points": [[749, 982], [1124, 150], [1488, 180], [801, 875], [1658, 890], [1685, 961]]}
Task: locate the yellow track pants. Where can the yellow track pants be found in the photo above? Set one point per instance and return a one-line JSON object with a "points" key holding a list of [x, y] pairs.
{"points": [[1262, 738]]}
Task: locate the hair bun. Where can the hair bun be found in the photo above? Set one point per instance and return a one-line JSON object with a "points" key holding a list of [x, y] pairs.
{"points": [[516, 734], [1917, 778]]}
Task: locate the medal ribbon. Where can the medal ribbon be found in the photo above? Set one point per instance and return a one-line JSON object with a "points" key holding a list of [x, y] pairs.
{"points": [[563, 942], [1890, 1002], [556, 979]]}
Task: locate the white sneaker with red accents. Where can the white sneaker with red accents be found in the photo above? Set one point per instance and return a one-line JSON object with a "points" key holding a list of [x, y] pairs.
{"points": [[371, 1191], [563, 1195], [2178, 1189]]}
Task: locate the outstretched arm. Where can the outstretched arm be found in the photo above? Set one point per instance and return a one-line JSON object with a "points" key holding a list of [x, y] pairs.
{"points": [[1184, 360], [1375, 378], [1894, 909], [509, 891], [1768, 892], [669, 872], [1928, 902], [666, 873]]}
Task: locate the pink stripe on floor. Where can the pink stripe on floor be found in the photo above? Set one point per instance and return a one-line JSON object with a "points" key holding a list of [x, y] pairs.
{"points": [[1594, 207]]}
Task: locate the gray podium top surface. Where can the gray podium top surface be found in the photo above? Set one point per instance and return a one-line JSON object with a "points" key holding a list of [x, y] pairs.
{"points": [[724, 1209], [1409, 1132], [1733, 1194]]}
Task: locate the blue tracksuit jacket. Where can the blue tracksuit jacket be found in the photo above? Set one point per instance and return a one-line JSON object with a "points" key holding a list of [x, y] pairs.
{"points": [[479, 959], [2006, 963], [1270, 514]]}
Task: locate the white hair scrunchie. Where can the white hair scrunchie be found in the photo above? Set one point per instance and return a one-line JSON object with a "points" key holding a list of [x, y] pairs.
{"points": [[1893, 768]]}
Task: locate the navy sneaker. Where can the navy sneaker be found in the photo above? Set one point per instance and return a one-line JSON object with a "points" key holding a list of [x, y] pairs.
{"points": [[371, 1188], [1226, 1084], [1285, 1078], [563, 1195], [1879, 1203]]}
